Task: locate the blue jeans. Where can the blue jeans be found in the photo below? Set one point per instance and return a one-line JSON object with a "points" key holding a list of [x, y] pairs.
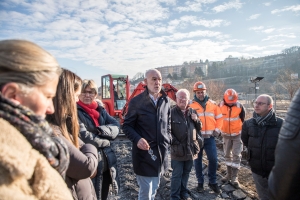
{"points": [[148, 187], [211, 152], [180, 177]]}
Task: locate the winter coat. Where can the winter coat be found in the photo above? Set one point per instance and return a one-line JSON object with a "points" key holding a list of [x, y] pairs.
{"points": [[261, 142], [184, 135], [83, 164], [151, 122], [99, 136], [24, 172], [284, 179]]}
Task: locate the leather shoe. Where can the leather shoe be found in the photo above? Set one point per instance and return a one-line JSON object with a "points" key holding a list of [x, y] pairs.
{"points": [[200, 187], [215, 188]]}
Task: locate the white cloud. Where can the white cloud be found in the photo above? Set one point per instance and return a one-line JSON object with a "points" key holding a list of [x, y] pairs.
{"points": [[267, 3], [125, 36], [194, 6], [256, 28], [272, 37], [255, 16], [254, 48], [295, 8], [226, 6], [269, 30]]}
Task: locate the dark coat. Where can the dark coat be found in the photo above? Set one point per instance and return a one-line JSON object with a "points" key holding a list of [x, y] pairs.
{"points": [[83, 164], [145, 120], [261, 142], [184, 135], [284, 179], [99, 136]]}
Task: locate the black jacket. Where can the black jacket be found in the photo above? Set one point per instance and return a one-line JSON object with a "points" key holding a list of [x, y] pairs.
{"points": [[284, 179], [184, 135], [261, 142], [145, 120], [99, 136]]}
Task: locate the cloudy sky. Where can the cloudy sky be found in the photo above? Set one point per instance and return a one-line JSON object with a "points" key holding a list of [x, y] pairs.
{"points": [[96, 37]]}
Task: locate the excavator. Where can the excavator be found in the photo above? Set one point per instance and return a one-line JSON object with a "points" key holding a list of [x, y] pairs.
{"points": [[116, 95]]}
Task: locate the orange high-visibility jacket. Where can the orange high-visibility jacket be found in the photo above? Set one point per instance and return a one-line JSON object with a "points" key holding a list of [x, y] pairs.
{"points": [[232, 123], [211, 117]]}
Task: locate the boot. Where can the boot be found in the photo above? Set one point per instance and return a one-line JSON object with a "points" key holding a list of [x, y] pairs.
{"points": [[234, 178], [228, 175]]}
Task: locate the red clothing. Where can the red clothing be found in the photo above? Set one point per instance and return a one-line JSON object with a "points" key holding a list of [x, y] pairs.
{"points": [[91, 110]]}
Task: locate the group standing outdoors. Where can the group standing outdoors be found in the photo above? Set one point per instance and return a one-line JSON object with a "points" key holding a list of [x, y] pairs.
{"points": [[153, 126], [55, 135]]}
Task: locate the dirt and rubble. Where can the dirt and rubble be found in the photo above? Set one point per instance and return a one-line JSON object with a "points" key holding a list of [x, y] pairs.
{"points": [[129, 187]]}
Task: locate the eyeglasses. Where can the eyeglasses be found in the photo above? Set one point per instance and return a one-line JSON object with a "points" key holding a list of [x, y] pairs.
{"points": [[259, 103], [91, 93], [153, 157], [182, 98]]}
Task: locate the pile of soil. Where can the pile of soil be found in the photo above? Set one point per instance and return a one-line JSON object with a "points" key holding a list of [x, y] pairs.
{"points": [[129, 188]]}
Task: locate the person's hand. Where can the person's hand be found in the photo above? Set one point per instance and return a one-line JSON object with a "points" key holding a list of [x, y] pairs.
{"points": [[194, 116], [216, 133], [143, 144]]}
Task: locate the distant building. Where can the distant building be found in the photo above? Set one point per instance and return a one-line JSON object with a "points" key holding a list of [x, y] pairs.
{"points": [[176, 69]]}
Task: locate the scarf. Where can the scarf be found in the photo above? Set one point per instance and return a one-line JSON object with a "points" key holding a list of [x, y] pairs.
{"points": [[37, 132], [202, 103], [263, 120], [91, 110]]}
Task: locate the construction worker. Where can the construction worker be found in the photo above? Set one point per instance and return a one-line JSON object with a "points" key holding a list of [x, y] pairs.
{"points": [[233, 118], [211, 117]]}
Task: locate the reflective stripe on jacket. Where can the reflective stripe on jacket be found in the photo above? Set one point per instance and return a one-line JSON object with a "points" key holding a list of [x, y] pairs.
{"points": [[232, 123], [211, 117]]}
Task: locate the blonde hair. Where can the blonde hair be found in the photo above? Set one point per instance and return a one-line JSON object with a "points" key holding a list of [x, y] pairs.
{"points": [[91, 83], [26, 64]]}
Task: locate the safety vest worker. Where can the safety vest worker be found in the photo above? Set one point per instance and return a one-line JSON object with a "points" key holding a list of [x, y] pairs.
{"points": [[233, 118], [208, 112], [211, 118]]}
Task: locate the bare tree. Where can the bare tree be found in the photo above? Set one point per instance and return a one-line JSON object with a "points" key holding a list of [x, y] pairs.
{"points": [[215, 89], [288, 80]]}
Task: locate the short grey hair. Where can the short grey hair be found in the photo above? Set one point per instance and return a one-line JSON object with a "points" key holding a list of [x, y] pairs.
{"points": [[268, 97], [183, 91]]}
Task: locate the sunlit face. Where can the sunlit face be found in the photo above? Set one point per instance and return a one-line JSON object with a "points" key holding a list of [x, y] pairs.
{"points": [[261, 106], [153, 81], [200, 94], [39, 99], [88, 95], [182, 100]]}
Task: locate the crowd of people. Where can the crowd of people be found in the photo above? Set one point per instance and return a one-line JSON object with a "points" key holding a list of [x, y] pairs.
{"points": [[55, 135]]}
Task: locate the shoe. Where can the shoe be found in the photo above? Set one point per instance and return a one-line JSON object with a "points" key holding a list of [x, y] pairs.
{"points": [[215, 188], [186, 198], [228, 175], [234, 178], [200, 187]]}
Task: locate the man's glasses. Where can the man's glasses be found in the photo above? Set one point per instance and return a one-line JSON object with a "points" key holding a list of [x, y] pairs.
{"points": [[258, 103], [91, 93], [182, 98], [153, 157]]}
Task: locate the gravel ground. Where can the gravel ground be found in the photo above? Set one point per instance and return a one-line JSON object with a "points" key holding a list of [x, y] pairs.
{"points": [[129, 187]]}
